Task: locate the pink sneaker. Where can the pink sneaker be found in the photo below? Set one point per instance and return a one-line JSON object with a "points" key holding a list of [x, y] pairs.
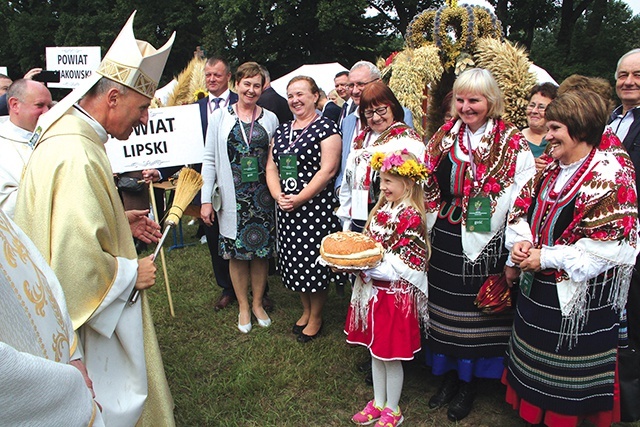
{"points": [[369, 415], [389, 418]]}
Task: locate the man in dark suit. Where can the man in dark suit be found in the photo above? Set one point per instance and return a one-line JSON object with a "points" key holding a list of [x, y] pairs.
{"points": [[5, 82], [341, 84], [330, 109], [272, 101], [625, 122], [217, 73]]}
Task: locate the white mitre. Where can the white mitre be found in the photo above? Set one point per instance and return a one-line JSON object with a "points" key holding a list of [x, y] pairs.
{"points": [[133, 63]]}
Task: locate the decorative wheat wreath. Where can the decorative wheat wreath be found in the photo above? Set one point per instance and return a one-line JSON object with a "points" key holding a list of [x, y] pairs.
{"points": [[457, 38]]}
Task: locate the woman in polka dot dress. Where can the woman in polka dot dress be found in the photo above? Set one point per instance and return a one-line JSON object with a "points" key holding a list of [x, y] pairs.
{"points": [[303, 163]]}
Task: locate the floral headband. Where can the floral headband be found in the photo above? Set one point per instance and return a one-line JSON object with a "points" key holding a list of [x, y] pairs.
{"points": [[396, 164]]}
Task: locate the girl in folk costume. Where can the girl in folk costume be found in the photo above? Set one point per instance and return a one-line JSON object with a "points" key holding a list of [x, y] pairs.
{"points": [[390, 301], [575, 239]]}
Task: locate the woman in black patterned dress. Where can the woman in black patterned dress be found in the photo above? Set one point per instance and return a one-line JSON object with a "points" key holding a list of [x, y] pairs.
{"points": [[303, 163]]}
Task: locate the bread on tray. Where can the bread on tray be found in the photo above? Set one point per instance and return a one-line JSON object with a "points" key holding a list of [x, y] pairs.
{"points": [[350, 249]]}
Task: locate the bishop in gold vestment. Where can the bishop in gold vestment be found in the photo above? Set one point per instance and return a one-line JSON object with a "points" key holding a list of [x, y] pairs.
{"points": [[69, 206]]}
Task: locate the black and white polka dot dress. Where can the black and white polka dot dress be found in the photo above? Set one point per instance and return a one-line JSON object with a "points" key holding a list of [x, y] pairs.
{"points": [[301, 231]]}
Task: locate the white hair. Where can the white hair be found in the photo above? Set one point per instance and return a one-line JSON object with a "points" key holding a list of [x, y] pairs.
{"points": [[373, 70], [631, 52]]}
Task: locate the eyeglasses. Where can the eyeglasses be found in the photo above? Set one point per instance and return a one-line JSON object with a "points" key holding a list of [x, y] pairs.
{"points": [[380, 111], [533, 105], [361, 85]]}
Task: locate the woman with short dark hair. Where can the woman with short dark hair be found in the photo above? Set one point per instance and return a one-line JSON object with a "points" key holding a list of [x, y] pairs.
{"points": [[575, 239], [384, 131], [303, 162], [235, 158], [539, 98]]}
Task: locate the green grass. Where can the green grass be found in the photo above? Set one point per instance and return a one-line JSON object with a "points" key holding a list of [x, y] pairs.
{"points": [[220, 377]]}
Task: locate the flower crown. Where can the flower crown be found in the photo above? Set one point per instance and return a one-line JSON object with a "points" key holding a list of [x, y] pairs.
{"points": [[400, 163]]}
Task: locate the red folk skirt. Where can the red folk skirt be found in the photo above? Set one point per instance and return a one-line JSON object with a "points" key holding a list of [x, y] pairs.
{"points": [[393, 330]]}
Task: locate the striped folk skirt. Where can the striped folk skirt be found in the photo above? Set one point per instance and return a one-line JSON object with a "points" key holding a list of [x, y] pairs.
{"points": [[461, 337], [548, 381]]}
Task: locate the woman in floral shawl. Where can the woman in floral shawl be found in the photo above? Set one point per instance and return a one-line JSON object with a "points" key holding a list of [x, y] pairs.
{"points": [[479, 165], [384, 131], [574, 238]]}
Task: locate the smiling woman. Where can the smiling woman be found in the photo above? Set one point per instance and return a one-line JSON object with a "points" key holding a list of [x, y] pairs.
{"points": [[235, 159], [303, 162], [479, 164], [574, 238], [384, 131]]}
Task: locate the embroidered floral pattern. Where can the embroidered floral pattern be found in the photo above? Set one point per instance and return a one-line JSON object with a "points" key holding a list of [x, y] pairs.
{"points": [[401, 230], [495, 161]]}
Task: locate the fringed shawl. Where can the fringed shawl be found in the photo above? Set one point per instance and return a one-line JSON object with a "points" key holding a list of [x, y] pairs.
{"points": [[605, 212], [504, 165], [401, 232]]}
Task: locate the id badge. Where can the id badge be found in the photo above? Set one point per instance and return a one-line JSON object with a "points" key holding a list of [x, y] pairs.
{"points": [[288, 166], [479, 214], [360, 204], [526, 280], [249, 166]]}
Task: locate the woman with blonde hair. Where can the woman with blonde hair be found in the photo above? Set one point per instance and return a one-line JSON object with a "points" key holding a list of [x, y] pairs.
{"points": [[478, 164]]}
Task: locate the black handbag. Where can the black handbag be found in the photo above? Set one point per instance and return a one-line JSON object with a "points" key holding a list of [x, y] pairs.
{"points": [[129, 184]]}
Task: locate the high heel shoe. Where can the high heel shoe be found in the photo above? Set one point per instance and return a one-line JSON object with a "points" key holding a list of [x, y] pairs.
{"points": [[263, 323], [245, 329]]}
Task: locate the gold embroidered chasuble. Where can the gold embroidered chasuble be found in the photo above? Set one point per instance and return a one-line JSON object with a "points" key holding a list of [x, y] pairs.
{"points": [[36, 332], [69, 205]]}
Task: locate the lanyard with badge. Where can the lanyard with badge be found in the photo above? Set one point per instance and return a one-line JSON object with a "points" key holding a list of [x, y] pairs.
{"points": [[526, 278], [479, 207], [360, 193], [248, 164], [289, 162]]}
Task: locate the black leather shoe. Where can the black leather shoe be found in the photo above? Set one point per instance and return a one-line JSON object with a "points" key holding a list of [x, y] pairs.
{"points": [[297, 329], [304, 338], [368, 379], [267, 303], [223, 302], [365, 367], [462, 403], [447, 391]]}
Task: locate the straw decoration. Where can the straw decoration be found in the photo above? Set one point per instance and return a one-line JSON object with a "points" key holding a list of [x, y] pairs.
{"points": [[189, 183]]}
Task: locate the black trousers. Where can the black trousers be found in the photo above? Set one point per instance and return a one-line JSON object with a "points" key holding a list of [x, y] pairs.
{"points": [[220, 265], [629, 358]]}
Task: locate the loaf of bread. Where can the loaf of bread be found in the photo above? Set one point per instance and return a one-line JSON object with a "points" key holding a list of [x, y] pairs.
{"points": [[350, 249]]}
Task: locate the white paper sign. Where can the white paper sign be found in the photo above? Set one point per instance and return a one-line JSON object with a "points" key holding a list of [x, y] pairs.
{"points": [[3, 70], [74, 63], [171, 137]]}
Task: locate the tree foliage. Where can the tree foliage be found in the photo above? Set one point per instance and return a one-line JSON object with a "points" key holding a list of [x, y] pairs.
{"points": [[598, 40], [564, 36]]}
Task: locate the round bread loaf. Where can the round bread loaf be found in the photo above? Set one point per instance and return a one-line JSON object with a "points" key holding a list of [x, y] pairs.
{"points": [[350, 249]]}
